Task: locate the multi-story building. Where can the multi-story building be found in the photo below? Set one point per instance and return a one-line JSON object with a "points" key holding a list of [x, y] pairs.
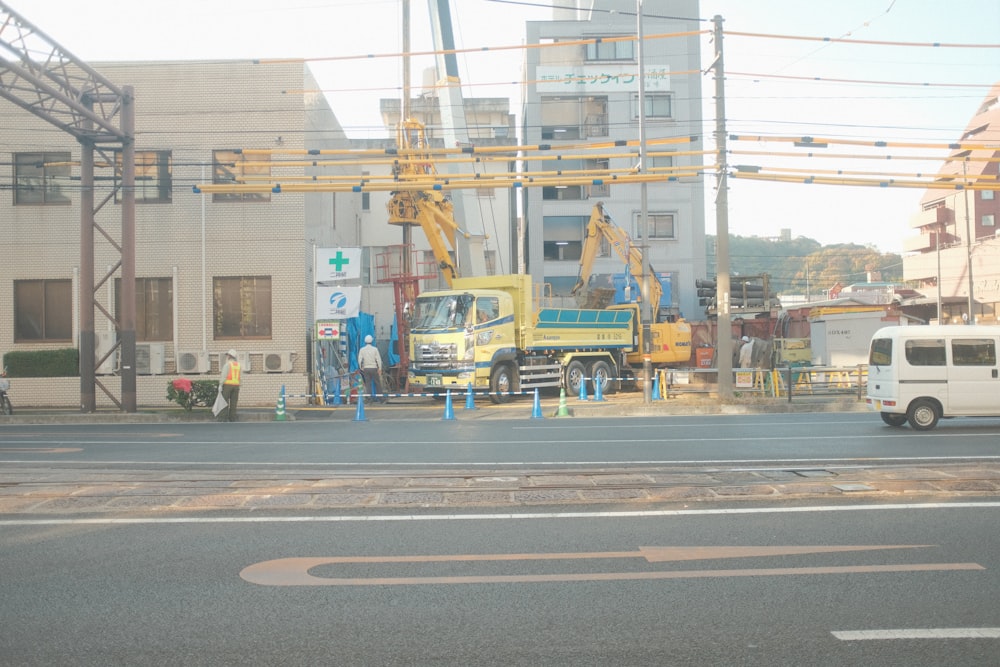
{"points": [[213, 271], [587, 91], [958, 247]]}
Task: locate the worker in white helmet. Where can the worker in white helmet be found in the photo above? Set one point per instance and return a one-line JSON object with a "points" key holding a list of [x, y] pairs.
{"points": [[370, 363]]}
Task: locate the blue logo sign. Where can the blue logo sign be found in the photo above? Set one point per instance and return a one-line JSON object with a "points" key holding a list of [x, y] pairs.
{"points": [[338, 300]]}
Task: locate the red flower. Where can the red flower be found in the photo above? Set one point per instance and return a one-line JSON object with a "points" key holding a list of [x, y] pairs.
{"points": [[182, 384]]}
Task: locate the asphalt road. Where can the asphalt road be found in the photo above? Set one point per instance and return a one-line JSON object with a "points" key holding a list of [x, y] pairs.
{"points": [[780, 585], [390, 462]]}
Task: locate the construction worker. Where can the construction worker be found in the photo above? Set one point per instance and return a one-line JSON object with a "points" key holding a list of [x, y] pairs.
{"points": [[370, 363], [230, 386]]}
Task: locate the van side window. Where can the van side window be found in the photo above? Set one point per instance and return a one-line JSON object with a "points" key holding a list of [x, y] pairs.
{"points": [[925, 352], [974, 352], [881, 353]]}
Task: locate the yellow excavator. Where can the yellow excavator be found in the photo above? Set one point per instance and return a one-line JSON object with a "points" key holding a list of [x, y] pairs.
{"points": [[671, 342]]}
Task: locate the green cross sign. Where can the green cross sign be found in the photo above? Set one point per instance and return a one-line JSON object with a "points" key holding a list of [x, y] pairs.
{"points": [[339, 261]]}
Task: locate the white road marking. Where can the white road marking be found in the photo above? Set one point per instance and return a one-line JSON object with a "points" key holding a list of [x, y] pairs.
{"points": [[638, 514], [930, 633]]}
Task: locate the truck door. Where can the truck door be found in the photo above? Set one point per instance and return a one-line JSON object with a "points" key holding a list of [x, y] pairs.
{"points": [[973, 376]]}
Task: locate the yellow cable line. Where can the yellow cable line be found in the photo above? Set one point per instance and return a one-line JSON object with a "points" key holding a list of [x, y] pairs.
{"points": [[933, 158], [971, 179], [816, 142], [848, 40], [885, 183]]}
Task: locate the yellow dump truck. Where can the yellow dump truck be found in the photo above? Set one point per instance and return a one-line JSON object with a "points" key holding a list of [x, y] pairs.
{"points": [[485, 331]]}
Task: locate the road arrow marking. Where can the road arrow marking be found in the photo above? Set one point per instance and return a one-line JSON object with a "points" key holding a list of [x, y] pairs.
{"points": [[295, 571]]}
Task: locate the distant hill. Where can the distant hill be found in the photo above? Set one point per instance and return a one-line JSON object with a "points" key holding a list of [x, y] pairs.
{"points": [[802, 265]]}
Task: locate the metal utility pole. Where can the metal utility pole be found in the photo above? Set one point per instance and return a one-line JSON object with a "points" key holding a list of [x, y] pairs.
{"points": [[647, 306], [724, 344], [47, 81]]}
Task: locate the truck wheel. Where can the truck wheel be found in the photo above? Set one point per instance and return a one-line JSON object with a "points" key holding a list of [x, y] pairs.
{"points": [[602, 372], [576, 374], [502, 383], [893, 419], [923, 414]]}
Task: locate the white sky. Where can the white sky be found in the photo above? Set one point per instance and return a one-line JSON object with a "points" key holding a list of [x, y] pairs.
{"points": [[99, 30]]}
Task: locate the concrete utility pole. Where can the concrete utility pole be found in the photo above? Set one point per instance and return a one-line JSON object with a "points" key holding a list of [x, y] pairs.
{"points": [[647, 306], [968, 241], [724, 344]]}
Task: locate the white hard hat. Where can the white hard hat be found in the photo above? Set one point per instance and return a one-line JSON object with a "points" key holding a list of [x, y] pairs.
{"points": [[746, 339], [369, 338], [231, 353]]}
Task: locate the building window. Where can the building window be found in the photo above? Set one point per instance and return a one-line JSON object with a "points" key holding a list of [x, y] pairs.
{"points": [[154, 308], [568, 117], [603, 165], [39, 178], [617, 50], [563, 237], [366, 197], [986, 195], [486, 193], [43, 310], [153, 177], [661, 225], [988, 220], [658, 105], [562, 192], [242, 307], [231, 166]]}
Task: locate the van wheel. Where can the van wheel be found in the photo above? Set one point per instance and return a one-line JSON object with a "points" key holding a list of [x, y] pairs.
{"points": [[502, 383], [576, 374], [600, 372], [923, 414], [893, 419]]}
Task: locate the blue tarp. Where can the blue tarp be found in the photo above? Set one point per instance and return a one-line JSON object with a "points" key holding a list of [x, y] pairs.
{"points": [[357, 328]]}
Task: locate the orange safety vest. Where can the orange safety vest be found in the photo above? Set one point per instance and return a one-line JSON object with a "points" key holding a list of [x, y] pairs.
{"points": [[234, 373]]}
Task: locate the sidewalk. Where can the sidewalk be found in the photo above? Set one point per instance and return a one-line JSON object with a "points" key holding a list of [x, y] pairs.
{"points": [[618, 405]]}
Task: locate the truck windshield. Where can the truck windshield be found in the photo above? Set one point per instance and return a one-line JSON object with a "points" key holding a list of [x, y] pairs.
{"points": [[450, 310]]}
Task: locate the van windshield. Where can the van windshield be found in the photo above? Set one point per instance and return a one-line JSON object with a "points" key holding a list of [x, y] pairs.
{"points": [[881, 352]]}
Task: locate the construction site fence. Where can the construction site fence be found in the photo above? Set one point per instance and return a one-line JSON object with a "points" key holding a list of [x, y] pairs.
{"points": [[788, 382]]}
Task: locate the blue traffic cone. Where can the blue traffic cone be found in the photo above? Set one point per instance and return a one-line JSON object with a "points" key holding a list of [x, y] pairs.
{"points": [[583, 389], [359, 416], [449, 412], [470, 400], [536, 411], [656, 386], [598, 390]]}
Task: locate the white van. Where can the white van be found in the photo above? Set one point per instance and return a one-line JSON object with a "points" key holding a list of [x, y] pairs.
{"points": [[919, 374]]}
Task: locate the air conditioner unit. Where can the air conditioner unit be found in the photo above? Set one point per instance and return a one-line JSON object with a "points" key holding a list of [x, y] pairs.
{"points": [[150, 358], [277, 362], [242, 357], [104, 341], [196, 361]]}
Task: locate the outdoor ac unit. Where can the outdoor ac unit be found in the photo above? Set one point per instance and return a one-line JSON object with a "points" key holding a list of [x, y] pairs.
{"points": [[277, 362], [104, 341], [150, 358], [242, 357], [196, 361]]}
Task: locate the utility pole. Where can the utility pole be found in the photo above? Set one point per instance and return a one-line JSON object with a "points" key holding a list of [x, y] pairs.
{"points": [[968, 240], [724, 343], [647, 306]]}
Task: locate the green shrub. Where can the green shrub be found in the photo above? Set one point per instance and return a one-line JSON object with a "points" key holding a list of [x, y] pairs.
{"points": [[43, 363], [188, 394]]}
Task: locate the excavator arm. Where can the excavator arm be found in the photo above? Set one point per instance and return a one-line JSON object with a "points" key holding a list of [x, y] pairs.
{"points": [[601, 227]]}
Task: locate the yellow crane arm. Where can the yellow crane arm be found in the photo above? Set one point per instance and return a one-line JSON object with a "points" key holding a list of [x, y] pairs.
{"points": [[601, 227]]}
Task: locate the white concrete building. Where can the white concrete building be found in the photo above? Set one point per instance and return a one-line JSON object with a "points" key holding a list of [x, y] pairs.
{"points": [[588, 93]]}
